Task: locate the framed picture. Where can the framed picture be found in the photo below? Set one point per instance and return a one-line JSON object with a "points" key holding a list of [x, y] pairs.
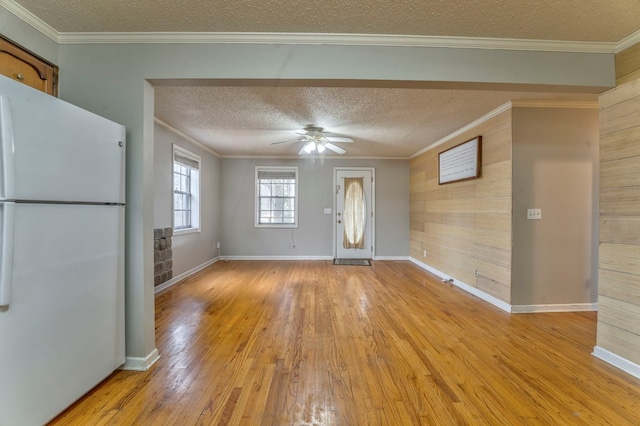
{"points": [[462, 162]]}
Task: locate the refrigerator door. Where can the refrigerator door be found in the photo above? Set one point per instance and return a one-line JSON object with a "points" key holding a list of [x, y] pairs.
{"points": [[54, 151], [63, 331]]}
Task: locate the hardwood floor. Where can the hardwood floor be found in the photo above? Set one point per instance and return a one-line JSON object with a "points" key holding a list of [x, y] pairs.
{"points": [[310, 343]]}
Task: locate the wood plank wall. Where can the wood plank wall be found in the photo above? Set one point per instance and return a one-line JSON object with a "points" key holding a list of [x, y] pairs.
{"points": [[619, 271], [628, 65], [466, 226]]}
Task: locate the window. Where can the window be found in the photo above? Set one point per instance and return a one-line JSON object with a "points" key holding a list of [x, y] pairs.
{"points": [[186, 191], [277, 197]]}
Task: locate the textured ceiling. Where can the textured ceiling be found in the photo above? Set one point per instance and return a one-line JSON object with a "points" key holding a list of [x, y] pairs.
{"points": [[387, 122], [384, 122], [569, 20]]}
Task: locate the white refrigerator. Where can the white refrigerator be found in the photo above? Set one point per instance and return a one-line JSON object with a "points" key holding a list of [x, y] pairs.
{"points": [[61, 253]]}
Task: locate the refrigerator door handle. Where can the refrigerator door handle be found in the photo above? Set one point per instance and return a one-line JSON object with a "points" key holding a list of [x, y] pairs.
{"points": [[7, 150], [6, 257]]}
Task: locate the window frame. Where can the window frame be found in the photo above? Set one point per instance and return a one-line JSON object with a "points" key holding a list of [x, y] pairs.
{"points": [[195, 174], [257, 198]]}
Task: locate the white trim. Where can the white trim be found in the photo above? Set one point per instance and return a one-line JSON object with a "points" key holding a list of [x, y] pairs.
{"points": [[373, 205], [568, 307], [466, 287], [391, 258], [627, 42], [544, 103], [194, 190], [189, 139], [326, 39], [310, 157], [277, 258], [339, 39], [165, 285], [470, 126], [184, 231], [31, 19], [257, 209], [141, 364], [506, 107], [617, 361]]}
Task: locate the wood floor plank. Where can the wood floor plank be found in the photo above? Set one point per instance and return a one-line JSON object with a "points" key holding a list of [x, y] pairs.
{"points": [[311, 343]]}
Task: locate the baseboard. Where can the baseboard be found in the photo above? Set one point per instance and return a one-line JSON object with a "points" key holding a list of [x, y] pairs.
{"points": [[184, 275], [277, 258], [617, 361], [466, 287], [141, 364], [568, 307], [391, 258]]}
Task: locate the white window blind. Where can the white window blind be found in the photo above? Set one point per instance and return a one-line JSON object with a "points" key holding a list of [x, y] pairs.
{"points": [[276, 197]]}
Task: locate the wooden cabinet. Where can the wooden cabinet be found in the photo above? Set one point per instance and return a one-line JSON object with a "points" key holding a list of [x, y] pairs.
{"points": [[24, 66]]}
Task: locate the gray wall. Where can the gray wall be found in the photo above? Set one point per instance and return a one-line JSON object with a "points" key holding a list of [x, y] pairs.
{"points": [[110, 80], [555, 168], [314, 235], [25, 35], [193, 249]]}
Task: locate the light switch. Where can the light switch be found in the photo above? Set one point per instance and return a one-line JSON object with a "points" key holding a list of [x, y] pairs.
{"points": [[534, 214], [327, 211]]}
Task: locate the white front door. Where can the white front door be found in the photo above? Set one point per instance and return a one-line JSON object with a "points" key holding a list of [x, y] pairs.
{"points": [[354, 213]]}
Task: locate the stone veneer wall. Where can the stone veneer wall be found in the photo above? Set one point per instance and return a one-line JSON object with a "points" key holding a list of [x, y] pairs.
{"points": [[162, 255]]}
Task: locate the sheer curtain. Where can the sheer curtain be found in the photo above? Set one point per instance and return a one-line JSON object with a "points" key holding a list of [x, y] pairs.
{"points": [[354, 213]]}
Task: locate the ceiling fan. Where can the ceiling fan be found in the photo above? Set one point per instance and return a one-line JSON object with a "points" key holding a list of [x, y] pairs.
{"points": [[315, 139]]}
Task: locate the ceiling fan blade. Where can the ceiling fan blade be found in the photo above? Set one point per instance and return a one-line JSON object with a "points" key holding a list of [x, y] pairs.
{"points": [[334, 148], [342, 139], [291, 141]]}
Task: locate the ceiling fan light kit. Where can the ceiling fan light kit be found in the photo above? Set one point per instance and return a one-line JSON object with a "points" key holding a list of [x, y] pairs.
{"points": [[315, 139]]}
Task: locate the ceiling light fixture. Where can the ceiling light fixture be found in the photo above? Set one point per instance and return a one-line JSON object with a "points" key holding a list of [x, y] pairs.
{"points": [[309, 147], [320, 147]]}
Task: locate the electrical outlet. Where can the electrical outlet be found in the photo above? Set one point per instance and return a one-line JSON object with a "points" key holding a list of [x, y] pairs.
{"points": [[477, 273], [535, 214], [424, 253]]}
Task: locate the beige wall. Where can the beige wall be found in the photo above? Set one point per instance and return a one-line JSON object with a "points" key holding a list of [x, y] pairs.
{"points": [[619, 274], [466, 226], [555, 168]]}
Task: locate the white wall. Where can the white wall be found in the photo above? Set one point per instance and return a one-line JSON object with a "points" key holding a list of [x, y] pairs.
{"points": [[194, 249], [314, 235], [555, 168]]}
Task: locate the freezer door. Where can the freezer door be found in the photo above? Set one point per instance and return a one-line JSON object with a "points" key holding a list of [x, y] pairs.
{"points": [[63, 330], [54, 151]]}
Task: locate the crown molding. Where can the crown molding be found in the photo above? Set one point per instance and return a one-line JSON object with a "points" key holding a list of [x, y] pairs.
{"points": [[532, 103], [31, 19], [388, 40], [545, 103], [187, 138], [627, 42], [310, 157], [318, 38], [484, 118]]}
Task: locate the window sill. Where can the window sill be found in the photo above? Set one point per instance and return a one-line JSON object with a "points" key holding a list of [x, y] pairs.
{"points": [[274, 226], [186, 231]]}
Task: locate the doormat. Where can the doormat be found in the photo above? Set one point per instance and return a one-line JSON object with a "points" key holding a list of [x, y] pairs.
{"points": [[352, 262]]}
